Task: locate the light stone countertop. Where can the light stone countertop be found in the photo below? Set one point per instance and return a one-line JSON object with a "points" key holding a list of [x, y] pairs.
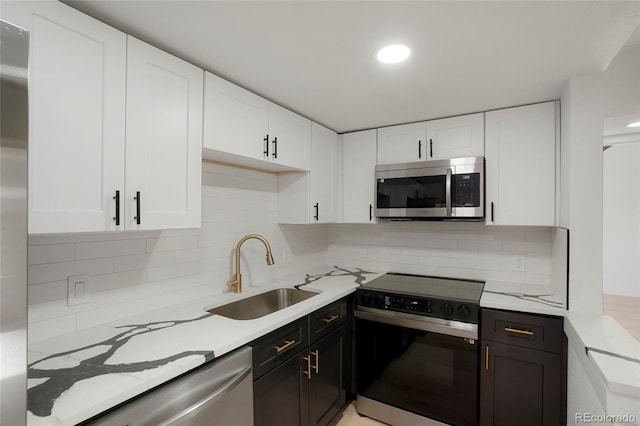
{"points": [[74, 377]]}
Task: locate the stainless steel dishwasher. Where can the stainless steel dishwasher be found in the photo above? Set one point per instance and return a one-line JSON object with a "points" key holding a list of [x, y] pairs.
{"points": [[220, 393]]}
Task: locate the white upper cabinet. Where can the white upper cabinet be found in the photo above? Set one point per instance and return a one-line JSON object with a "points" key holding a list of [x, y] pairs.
{"points": [[164, 140], [323, 185], [312, 197], [358, 173], [290, 138], [521, 165], [77, 117], [405, 143], [243, 128], [455, 137], [236, 120]]}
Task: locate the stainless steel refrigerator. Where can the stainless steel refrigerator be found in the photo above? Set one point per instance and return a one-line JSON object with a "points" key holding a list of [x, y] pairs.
{"points": [[14, 48]]}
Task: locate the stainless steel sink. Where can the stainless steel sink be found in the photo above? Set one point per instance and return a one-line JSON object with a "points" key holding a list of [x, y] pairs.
{"points": [[262, 304]]}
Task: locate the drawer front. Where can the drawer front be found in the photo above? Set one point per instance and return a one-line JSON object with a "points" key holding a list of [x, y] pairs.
{"points": [[525, 330], [278, 346], [325, 320]]}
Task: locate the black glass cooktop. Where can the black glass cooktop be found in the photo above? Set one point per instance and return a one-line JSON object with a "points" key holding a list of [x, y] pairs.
{"points": [[468, 291]]}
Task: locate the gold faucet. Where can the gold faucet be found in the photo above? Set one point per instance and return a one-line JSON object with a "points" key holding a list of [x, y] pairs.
{"points": [[235, 283]]}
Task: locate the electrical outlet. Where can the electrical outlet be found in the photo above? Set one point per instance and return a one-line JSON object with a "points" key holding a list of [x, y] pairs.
{"points": [[519, 262], [78, 289]]}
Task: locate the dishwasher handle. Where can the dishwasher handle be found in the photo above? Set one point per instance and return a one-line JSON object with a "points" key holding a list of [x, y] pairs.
{"points": [[214, 397]]}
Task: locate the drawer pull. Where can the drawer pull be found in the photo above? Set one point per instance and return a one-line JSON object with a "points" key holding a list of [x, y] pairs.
{"points": [[287, 345], [486, 357], [308, 372], [331, 319], [518, 331]]}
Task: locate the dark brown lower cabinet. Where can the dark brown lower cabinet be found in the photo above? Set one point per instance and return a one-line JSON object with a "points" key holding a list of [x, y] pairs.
{"points": [[302, 381], [327, 387], [518, 384], [280, 396]]}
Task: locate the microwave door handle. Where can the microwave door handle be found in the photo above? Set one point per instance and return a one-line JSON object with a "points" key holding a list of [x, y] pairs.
{"points": [[448, 192]]}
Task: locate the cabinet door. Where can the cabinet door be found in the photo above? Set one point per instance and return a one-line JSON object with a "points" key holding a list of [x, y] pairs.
{"points": [[402, 144], [521, 165], [164, 139], [324, 175], [289, 138], [455, 137], [327, 387], [280, 397], [76, 109], [520, 386], [358, 171], [236, 121]]}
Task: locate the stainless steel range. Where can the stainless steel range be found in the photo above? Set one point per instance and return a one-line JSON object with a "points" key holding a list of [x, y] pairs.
{"points": [[417, 352]]}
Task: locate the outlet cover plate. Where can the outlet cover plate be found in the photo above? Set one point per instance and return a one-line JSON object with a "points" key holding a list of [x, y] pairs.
{"points": [[78, 289], [519, 262]]}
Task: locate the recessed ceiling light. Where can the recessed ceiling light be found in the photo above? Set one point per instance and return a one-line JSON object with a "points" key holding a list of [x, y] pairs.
{"points": [[393, 54], [635, 124]]}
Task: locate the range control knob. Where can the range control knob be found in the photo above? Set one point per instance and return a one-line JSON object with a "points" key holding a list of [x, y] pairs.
{"points": [[447, 309], [366, 299], [464, 312], [379, 301]]}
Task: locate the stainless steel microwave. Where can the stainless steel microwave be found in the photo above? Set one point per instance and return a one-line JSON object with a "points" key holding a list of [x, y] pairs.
{"points": [[442, 189]]}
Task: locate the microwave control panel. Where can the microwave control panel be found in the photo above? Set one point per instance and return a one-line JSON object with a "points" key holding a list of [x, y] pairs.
{"points": [[466, 190]]}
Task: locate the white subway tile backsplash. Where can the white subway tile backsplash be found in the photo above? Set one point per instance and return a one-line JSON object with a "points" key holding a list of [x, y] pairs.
{"points": [[526, 247], [169, 299], [114, 280], [142, 291], [49, 272], [482, 245], [479, 264], [35, 240], [45, 292], [155, 245], [172, 271], [142, 261], [464, 250], [94, 250], [51, 253]]}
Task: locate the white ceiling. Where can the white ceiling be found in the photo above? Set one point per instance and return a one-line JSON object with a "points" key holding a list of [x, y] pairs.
{"points": [[318, 57]]}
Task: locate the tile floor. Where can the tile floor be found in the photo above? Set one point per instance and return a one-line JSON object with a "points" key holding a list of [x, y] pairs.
{"points": [[349, 417], [626, 310]]}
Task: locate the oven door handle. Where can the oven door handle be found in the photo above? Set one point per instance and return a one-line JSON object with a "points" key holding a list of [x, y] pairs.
{"points": [[435, 325]]}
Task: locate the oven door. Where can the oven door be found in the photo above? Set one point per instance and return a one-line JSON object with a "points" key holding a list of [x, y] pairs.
{"points": [[423, 372]]}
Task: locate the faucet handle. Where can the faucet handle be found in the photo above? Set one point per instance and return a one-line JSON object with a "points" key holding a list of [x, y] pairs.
{"points": [[234, 283]]}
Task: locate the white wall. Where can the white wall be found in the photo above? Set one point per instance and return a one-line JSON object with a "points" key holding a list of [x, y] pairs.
{"points": [[450, 249], [621, 191], [622, 83], [581, 190], [621, 220], [133, 272]]}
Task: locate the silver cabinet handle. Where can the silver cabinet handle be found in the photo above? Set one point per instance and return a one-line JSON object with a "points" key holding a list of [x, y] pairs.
{"points": [[227, 387]]}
